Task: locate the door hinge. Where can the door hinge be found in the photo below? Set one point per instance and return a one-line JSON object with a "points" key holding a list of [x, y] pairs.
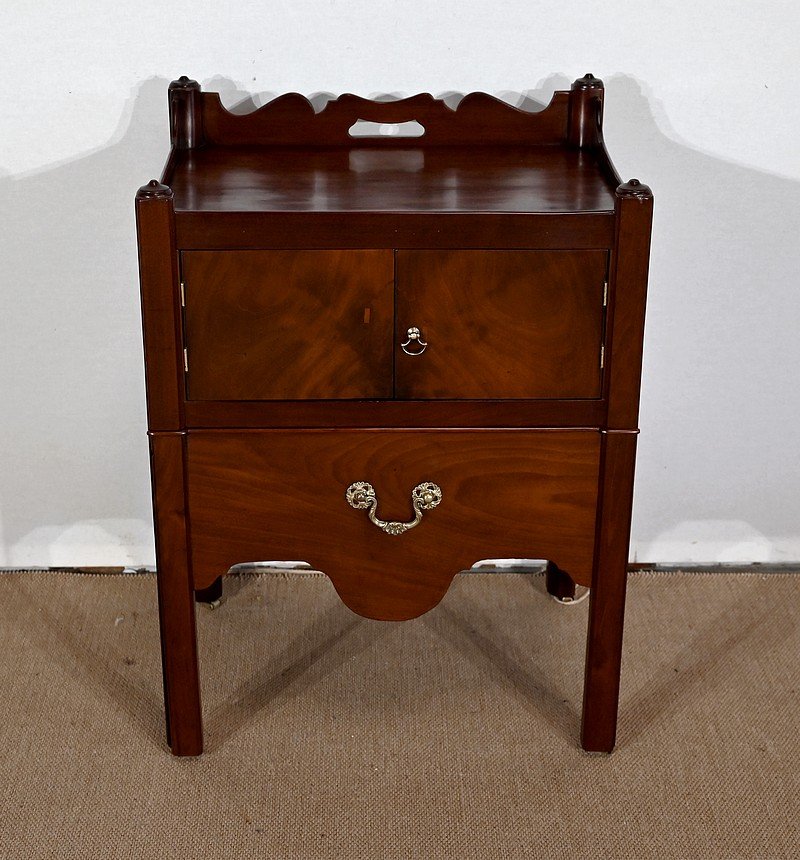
{"points": [[183, 294], [185, 360], [605, 294], [602, 355]]}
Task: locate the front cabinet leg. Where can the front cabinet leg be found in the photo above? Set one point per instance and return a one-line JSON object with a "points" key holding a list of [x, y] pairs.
{"points": [[607, 600], [175, 597]]}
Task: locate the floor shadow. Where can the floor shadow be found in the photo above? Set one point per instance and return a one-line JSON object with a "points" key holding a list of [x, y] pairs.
{"points": [[335, 636], [703, 662], [92, 655], [327, 642], [473, 632]]}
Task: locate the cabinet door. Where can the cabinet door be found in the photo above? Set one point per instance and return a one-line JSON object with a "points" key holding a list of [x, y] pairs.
{"points": [[499, 324], [288, 325]]}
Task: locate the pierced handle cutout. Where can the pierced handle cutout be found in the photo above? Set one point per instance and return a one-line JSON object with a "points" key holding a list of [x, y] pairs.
{"points": [[367, 128]]}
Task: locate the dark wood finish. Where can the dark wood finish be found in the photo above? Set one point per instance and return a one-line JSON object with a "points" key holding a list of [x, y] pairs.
{"points": [[505, 324], [629, 297], [254, 230], [396, 413], [175, 596], [479, 119], [257, 496], [158, 278], [185, 114], [544, 179], [585, 130], [211, 594], [544, 468], [607, 599], [559, 583], [292, 325]]}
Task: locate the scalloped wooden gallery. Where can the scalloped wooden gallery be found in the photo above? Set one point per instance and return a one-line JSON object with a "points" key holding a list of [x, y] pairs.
{"points": [[426, 334]]}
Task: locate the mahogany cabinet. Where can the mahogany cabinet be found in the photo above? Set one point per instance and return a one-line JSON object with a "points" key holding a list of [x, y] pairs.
{"points": [[392, 357]]}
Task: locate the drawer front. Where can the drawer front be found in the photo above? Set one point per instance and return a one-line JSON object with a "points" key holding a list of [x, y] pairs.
{"points": [[288, 325], [500, 324], [277, 495]]}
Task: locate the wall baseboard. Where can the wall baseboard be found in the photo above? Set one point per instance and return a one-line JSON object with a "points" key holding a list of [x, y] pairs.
{"points": [[509, 567]]}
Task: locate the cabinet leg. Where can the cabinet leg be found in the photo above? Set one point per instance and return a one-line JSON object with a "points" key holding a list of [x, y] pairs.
{"points": [[211, 595], [175, 598], [559, 584], [607, 599]]}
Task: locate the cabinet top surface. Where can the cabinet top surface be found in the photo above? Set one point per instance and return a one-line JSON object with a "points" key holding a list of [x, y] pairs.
{"points": [[462, 179], [481, 156]]}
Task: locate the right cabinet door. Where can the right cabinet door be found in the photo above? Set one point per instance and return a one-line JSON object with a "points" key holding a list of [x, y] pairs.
{"points": [[499, 324]]}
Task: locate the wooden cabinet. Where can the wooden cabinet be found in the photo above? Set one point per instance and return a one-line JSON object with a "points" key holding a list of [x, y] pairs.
{"points": [[392, 358]]}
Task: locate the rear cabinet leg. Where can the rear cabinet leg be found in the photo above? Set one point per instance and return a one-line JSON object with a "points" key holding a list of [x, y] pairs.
{"points": [[211, 595], [559, 583], [175, 597], [607, 599]]}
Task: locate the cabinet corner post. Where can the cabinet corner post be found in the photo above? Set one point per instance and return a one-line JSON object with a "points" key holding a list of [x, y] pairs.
{"points": [[160, 299], [585, 127], [176, 603], [607, 598], [185, 114], [628, 298]]}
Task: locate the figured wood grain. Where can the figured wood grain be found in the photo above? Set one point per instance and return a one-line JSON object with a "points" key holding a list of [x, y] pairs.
{"points": [[504, 324], [484, 178], [271, 495], [263, 325]]}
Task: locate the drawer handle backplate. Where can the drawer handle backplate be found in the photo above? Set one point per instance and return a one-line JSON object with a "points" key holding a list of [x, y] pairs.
{"points": [[362, 496]]}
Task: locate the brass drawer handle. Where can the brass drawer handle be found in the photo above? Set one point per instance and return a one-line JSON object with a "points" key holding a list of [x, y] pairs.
{"points": [[361, 495], [414, 336]]}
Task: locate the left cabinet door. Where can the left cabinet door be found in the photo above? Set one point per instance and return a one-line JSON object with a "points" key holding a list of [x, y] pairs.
{"points": [[288, 325]]}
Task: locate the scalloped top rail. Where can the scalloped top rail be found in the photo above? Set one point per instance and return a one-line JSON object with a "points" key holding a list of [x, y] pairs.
{"points": [[477, 119], [573, 118], [200, 118]]}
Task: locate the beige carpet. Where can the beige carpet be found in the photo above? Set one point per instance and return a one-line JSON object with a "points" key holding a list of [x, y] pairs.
{"points": [[452, 736]]}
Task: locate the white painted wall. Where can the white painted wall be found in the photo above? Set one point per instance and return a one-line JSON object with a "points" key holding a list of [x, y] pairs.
{"points": [[700, 104]]}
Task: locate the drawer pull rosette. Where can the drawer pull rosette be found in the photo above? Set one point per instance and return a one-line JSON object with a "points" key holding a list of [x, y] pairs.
{"points": [[361, 495]]}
